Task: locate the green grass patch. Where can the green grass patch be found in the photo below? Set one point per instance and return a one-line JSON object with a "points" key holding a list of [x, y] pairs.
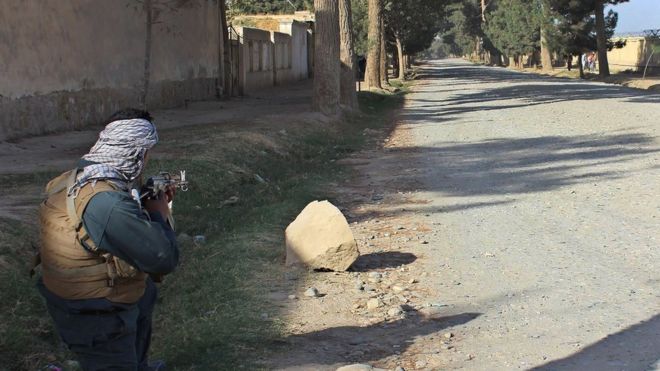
{"points": [[212, 312]]}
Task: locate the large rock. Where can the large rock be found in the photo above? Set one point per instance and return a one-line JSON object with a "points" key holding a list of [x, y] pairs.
{"points": [[320, 238]]}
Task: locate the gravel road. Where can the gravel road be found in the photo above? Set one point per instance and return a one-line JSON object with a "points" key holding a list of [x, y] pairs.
{"points": [[545, 195]]}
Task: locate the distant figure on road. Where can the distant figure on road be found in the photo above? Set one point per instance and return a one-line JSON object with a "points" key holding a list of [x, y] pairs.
{"points": [[592, 62]]}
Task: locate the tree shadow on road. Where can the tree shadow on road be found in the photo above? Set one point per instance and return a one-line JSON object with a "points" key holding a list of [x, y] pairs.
{"points": [[507, 166], [635, 348], [521, 90], [354, 344]]}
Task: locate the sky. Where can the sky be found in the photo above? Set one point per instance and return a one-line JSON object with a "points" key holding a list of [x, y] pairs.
{"points": [[638, 15]]}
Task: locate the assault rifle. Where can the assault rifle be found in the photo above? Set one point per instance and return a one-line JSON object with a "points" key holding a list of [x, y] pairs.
{"points": [[161, 182]]}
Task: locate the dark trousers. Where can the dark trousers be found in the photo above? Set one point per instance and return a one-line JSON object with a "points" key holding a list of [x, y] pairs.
{"points": [[105, 335]]}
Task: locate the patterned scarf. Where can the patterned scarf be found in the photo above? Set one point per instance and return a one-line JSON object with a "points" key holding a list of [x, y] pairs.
{"points": [[118, 155]]}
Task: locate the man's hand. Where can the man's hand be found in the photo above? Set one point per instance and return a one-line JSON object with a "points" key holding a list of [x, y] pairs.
{"points": [[160, 204]]}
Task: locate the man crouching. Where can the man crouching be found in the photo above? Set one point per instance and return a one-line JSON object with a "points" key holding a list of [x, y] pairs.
{"points": [[99, 246]]}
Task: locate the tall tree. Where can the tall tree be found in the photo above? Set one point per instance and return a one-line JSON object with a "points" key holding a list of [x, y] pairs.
{"points": [[384, 78], [224, 74], [412, 25], [546, 52], [514, 28], [348, 95], [372, 76], [602, 34], [326, 57], [601, 38]]}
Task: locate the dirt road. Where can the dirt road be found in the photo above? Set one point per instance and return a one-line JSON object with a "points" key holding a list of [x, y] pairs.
{"points": [[536, 206], [546, 198]]}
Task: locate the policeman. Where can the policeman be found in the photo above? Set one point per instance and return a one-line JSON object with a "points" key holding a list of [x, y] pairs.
{"points": [[100, 245]]}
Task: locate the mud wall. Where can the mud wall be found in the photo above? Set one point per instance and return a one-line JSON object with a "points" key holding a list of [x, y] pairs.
{"points": [[68, 64], [634, 56]]}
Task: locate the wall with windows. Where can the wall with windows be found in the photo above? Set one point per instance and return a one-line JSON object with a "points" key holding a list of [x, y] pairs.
{"points": [[271, 58]]}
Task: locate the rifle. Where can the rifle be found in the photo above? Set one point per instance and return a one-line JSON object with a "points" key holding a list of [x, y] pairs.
{"points": [[158, 184], [161, 182]]}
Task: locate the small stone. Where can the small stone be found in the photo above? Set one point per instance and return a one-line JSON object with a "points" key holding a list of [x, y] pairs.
{"points": [[368, 288], [448, 335], [356, 367], [412, 281], [397, 289], [312, 292], [424, 242], [374, 275], [399, 368], [264, 316], [420, 364], [374, 303], [374, 280], [386, 234], [359, 285], [200, 239], [400, 227], [396, 311], [292, 297], [469, 357]]}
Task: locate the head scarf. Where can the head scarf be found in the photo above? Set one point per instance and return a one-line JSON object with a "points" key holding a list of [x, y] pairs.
{"points": [[118, 155]]}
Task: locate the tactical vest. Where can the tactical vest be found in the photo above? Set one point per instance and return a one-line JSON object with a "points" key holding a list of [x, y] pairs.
{"points": [[72, 266]]}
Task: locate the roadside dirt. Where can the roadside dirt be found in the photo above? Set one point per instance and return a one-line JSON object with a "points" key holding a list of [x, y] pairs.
{"points": [[411, 322]]}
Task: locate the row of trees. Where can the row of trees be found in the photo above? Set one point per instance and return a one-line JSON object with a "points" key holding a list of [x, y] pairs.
{"points": [[490, 29], [374, 29], [378, 28]]}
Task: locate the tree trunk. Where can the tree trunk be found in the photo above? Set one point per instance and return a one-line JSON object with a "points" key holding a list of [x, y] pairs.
{"points": [[581, 66], [401, 59], [477, 48], [326, 58], [226, 52], [546, 53], [496, 58], [220, 81], [483, 11], [569, 62], [148, 9], [603, 65], [384, 77], [372, 74], [348, 95]]}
